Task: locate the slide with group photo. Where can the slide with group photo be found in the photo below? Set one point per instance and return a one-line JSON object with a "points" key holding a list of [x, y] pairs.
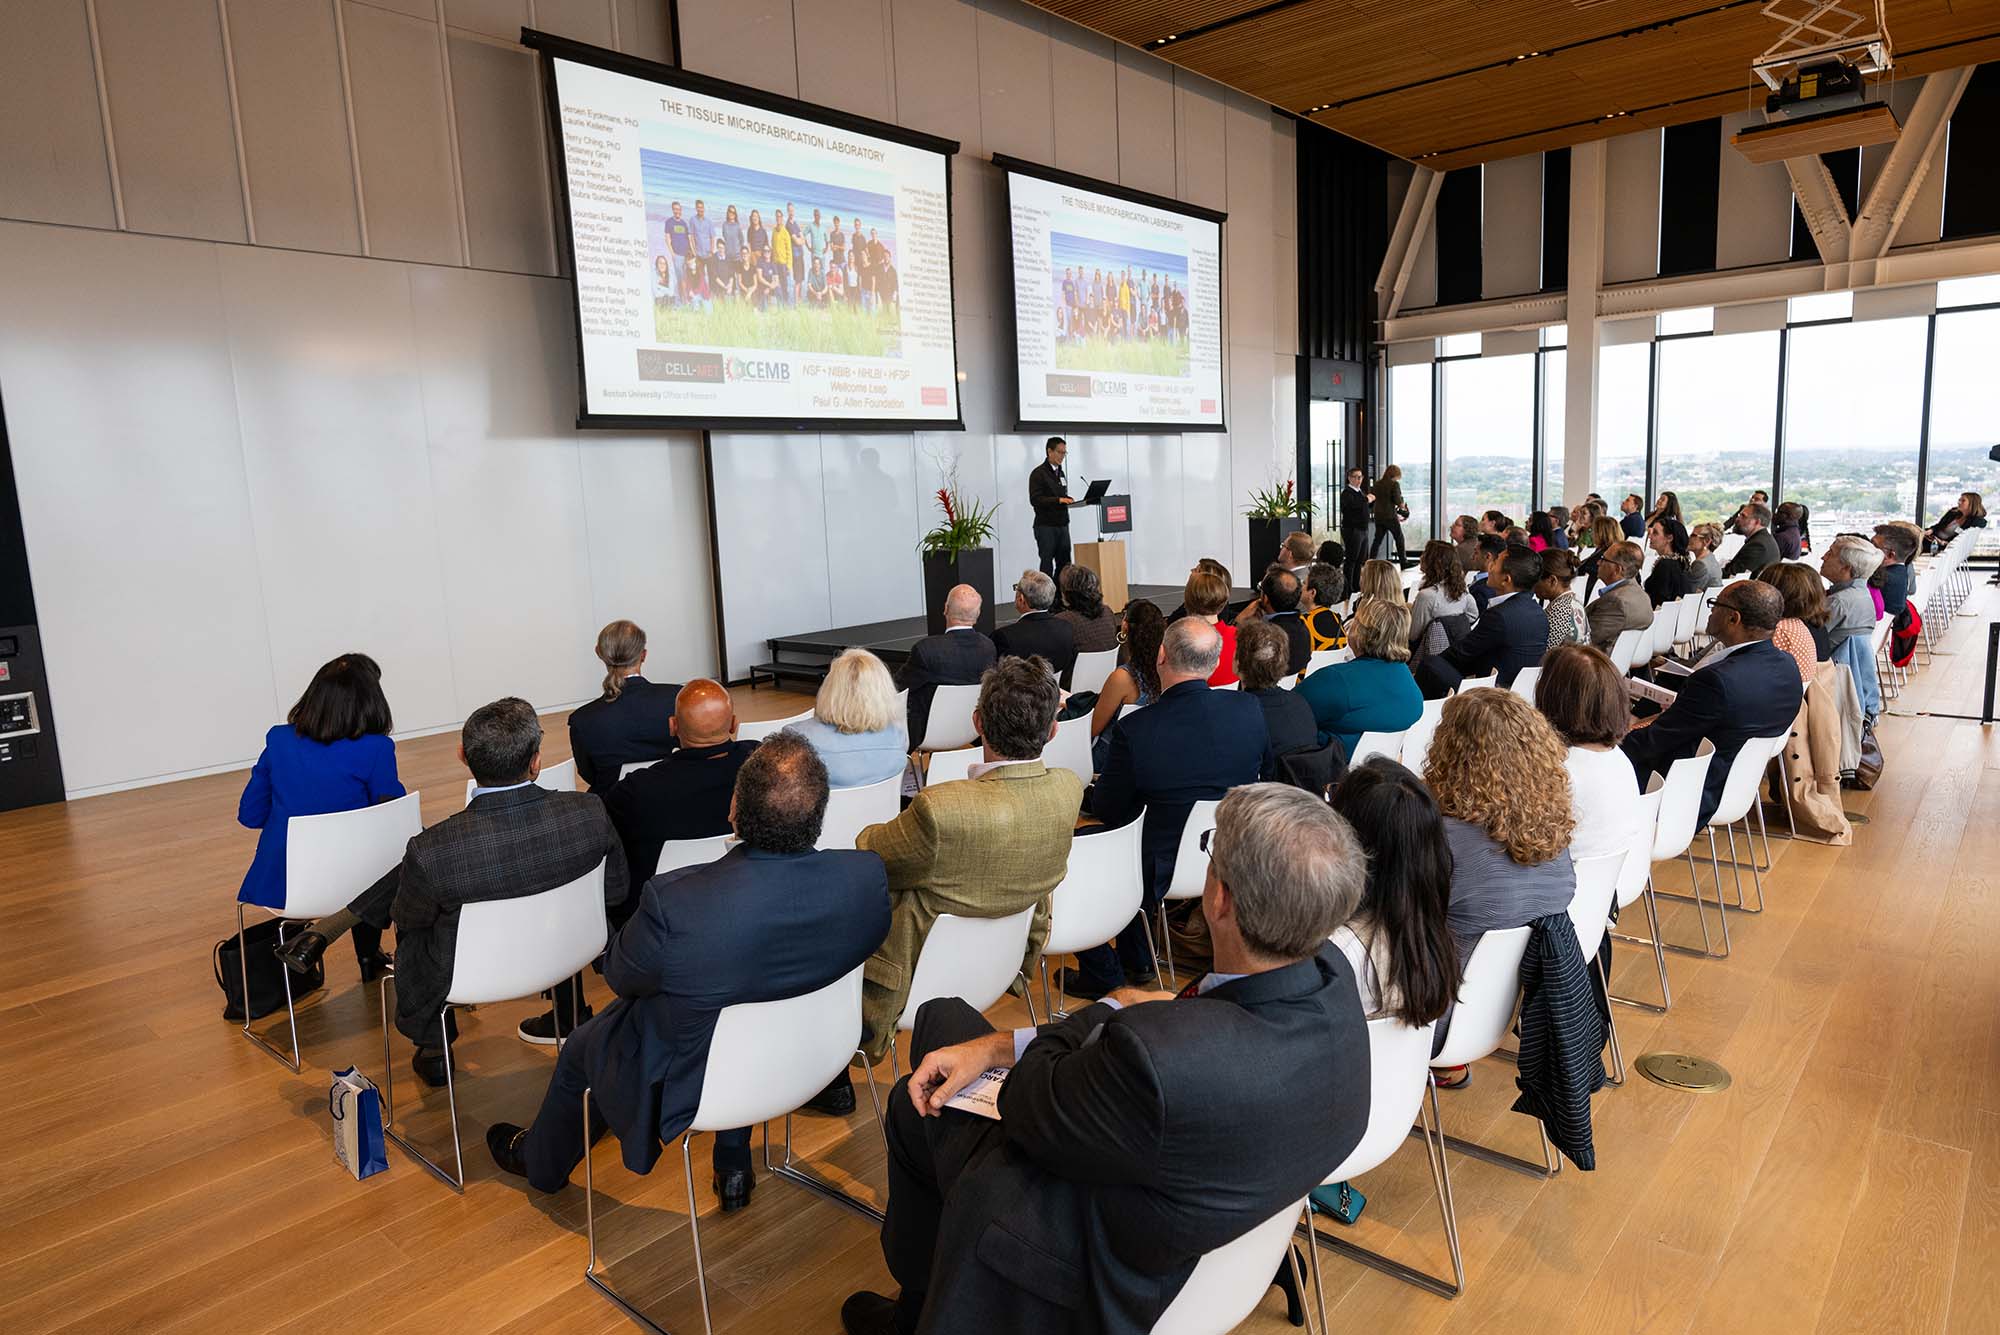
{"points": [[737, 263]]}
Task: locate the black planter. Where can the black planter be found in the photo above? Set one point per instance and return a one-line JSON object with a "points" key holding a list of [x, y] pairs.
{"points": [[942, 571], [1266, 536]]}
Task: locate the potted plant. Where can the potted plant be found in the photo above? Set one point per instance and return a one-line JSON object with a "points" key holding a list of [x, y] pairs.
{"points": [[957, 551], [1274, 511]]}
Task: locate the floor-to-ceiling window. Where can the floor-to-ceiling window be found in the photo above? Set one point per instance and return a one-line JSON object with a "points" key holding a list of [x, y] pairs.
{"points": [[1555, 406], [1624, 392], [1410, 441], [1965, 411], [1854, 398], [1489, 434], [1718, 406]]}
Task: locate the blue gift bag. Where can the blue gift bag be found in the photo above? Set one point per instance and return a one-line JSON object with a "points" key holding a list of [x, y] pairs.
{"points": [[356, 1107]]}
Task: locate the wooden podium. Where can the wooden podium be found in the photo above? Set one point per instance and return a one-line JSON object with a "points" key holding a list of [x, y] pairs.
{"points": [[1107, 558]]}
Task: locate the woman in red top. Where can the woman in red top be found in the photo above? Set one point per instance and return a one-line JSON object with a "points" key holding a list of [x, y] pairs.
{"points": [[1206, 594]]}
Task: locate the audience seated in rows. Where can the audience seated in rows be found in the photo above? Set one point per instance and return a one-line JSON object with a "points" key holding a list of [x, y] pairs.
{"points": [[513, 839], [1583, 697], [332, 753], [1372, 692], [1260, 662], [1568, 622], [1380, 582], [771, 919], [1620, 604], [1464, 537], [1443, 611], [855, 725], [1490, 547], [1671, 579], [685, 796], [1968, 513], [1735, 521], [1206, 597], [1541, 531], [1325, 588], [1759, 548], [1851, 615], [1511, 634], [1093, 628], [1747, 688], [1038, 632], [957, 656], [1559, 537], [629, 723], [1135, 683], [1279, 595], [1142, 1131], [1632, 516], [1668, 506], [1898, 544], [1399, 941], [1704, 567], [1801, 631], [1193, 744], [1604, 536]]}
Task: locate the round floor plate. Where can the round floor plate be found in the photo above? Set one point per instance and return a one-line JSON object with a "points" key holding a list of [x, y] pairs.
{"points": [[1677, 1070]]}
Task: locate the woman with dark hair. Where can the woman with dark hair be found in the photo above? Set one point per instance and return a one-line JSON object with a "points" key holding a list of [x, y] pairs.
{"points": [[1541, 531], [1083, 607], [1136, 682], [1970, 512], [332, 753], [1667, 507], [1785, 529], [1583, 697], [1399, 941], [1262, 654], [1206, 596], [1442, 610], [1568, 622], [1671, 577], [1802, 630], [1390, 511]]}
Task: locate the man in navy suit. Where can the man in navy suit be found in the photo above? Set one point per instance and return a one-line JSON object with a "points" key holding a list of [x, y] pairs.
{"points": [[1491, 546], [1038, 630], [958, 657], [770, 920], [1193, 744], [1747, 688], [1513, 631]]}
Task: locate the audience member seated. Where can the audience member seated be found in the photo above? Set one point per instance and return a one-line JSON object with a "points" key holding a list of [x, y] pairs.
{"points": [[1037, 632], [854, 724], [1668, 506], [772, 919], [685, 796], [1295, 553], [1442, 612], [1970, 512], [1802, 631], [1374, 691], [1735, 524], [513, 839], [1260, 662], [1497, 523], [1785, 530], [1671, 579], [631, 720], [1398, 942], [1205, 597], [1325, 587], [1583, 697], [1143, 1131], [1898, 543], [1704, 567], [956, 657], [1092, 626], [1621, 605], [1568, 624], [1747, 688], [332, 753], [1278, 597], [1380, 582], [1213, 567], [1559, 538], [1632, 516], [1193, 744], [1605, 535], [1465, 540], [1490, 548], [983, 847], [1759, 548], [1850, 615], [1135, 683], [1511, 634], [1541, 531]]}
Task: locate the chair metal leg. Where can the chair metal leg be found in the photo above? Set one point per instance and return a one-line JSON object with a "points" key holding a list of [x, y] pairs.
{"points": [[1659, 957], [694, 1230], [1550, 1166], [291, 1013], [455, 1182], [794, 1169], [1167, 940], [590, 1270], [1708, 950], [1048, 999], [1028, 996], [1611, 1023], [1427, 1113]]}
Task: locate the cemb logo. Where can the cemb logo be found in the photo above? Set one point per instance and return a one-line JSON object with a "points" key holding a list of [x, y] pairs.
{"points": [[739, 369]]}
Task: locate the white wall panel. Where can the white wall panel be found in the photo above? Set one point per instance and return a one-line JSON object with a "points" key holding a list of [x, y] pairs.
{"points": [[1156, 549], [1015, 115], [771, 519], [137, 517], [1084, 72], [982, 251], [871, 489], [1422, 288], [1511, 235], [644, 499], [1209, 520], [1248, 239], [1753, 206], [495, 18], [593, 21], [1201, 176], [1284, 141], [1632, 207], [53, 166], [294, 120], [745, 41], [849, 68], [1145, 113], [937, 69], [643, 29], [399, 123], [500, 136]]}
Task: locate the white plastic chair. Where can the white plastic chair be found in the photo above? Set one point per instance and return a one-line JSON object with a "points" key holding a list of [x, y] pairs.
{"points": [[1417, 741], [1590, 912], [1486, 997], [1099, 895], [628, 770], [1327, 658], [1070, 749], [1524, 682], [1660, 640], [329, 860], [506, 949], [1092, 670], [974, 959], [1190, 870], [1388, 744], [1633, 883], [849, 811], [678, 853], [1739, 796], [946, 766], [557, 778], [758, 731], [949, 726], [1625, 650], [766, 1060], [1478, 683], [1229, 1282], [1688, 618], [1679, 822]]}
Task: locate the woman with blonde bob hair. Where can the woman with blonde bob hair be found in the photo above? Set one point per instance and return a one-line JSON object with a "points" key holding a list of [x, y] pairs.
{"points": [[856, 726], [1375, 691]]}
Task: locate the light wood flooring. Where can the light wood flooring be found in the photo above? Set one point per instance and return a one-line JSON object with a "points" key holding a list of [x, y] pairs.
{"points": [[159, 1174]]}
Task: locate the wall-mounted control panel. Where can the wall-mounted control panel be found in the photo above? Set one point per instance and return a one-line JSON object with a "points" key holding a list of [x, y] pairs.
{"points": [[30, 767]]}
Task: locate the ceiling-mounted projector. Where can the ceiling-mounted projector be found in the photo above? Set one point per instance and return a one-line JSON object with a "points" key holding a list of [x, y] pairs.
{"points": [[1812, 90]]}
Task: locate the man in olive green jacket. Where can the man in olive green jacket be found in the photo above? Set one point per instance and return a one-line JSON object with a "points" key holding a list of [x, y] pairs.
{"points": [[985, 847]]}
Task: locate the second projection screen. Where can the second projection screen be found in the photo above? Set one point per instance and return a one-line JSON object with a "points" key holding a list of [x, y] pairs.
{"points": [[1117, 307]]}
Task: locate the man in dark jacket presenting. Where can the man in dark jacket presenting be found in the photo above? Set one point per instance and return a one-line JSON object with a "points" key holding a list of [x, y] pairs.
{"points": [[1048, 496]]}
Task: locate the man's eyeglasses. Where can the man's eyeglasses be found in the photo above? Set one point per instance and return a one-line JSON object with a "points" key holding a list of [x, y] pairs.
{"points": [[1207, 836]]}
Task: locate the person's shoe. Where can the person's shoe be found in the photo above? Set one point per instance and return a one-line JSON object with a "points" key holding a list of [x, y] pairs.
{"points": [[373, 967], [541, 1029], [301, 952], [1287, 1283], [503, 1142], [836, 1100], [1451, 1077], [866, 1313], [429, 1066], [1075, 983], [732, 1189]]}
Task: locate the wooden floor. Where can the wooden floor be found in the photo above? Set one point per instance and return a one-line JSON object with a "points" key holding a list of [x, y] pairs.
{"points": [[159, 1174]]}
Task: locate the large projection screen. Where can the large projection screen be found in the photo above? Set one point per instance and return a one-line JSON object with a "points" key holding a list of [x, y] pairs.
{"points": [[696, 305], [1117, 306]]}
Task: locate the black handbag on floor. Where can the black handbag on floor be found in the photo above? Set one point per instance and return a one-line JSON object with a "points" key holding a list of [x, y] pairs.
{"points": [[267, 974]]}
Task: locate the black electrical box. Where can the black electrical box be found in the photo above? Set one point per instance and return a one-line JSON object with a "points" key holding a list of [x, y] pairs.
{"points": [[30, 766]]}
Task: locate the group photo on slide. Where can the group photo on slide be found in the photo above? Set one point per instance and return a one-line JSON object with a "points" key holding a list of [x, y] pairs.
{"points": [[1118, 308], [743, 258]]}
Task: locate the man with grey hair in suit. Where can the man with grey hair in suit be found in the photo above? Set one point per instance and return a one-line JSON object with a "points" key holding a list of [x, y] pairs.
{"points": [[1039, 630]]}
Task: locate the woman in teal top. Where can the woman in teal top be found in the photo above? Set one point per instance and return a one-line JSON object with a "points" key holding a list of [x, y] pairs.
{"points": [[1375, 692]]}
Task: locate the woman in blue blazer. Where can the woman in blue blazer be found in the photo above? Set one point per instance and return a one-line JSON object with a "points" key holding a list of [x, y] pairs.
{"points": [[332, 753]]}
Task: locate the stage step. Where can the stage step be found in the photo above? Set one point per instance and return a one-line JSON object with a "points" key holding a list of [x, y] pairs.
{"points": [[777, 672]]}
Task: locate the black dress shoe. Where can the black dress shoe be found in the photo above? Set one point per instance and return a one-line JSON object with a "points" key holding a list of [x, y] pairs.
{"points": [[732, 1188], [1288, 1284], [836, 1100], [1074, 983], [866, 1313], [373, 967], [429, 1066], [503, 1141], [302, 951], [541, 1029]]}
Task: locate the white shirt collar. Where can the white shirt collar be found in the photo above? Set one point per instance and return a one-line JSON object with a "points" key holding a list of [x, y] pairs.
{"points": [[503, 788], [1500, 598], [988, 766], [1716, 655]]}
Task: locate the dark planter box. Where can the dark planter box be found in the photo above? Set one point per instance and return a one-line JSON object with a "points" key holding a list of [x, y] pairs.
{"points": [[1266, 536], [941, 572]]}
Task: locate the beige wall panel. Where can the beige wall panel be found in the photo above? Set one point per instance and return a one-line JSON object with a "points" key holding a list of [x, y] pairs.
{"points": [[584, 20], [294, 118], [1632, 207], [849, 65], [644, 29], [399, 121], [1284, 175], [1014, 91], [1083, 72], [1753, 206], [500, 137], [495, 18], [937, 69], [744, 41], [53, 166], [1145, 122], [1512, 227], [1200, 176], [1248, 242]]}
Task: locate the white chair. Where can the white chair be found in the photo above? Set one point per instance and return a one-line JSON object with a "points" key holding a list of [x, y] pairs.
{"points": [[627, 771], [557, 778], [758, 731], [849, 811], [945, 766], [1100, 893], [1417, 741], [1388, 744], [1632, 886], [1070, 749], [1190, 869], [1679, 821], [1400, 1092], [1092, 670], [1625, 650], [766, 1060], [329, 860], [1740, 792], [1229, 1282], [1688, 620], [974, 959], [1327, 658], [1732, 543], [1478, 683], [1524, 682], [1486, 997], [506, 949], [1660, 640], [678, 853], [949, 725], [1590, 913]]}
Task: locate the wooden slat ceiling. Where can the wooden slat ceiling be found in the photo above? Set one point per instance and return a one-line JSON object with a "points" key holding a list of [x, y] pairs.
{"points": [[1442, 82]]}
